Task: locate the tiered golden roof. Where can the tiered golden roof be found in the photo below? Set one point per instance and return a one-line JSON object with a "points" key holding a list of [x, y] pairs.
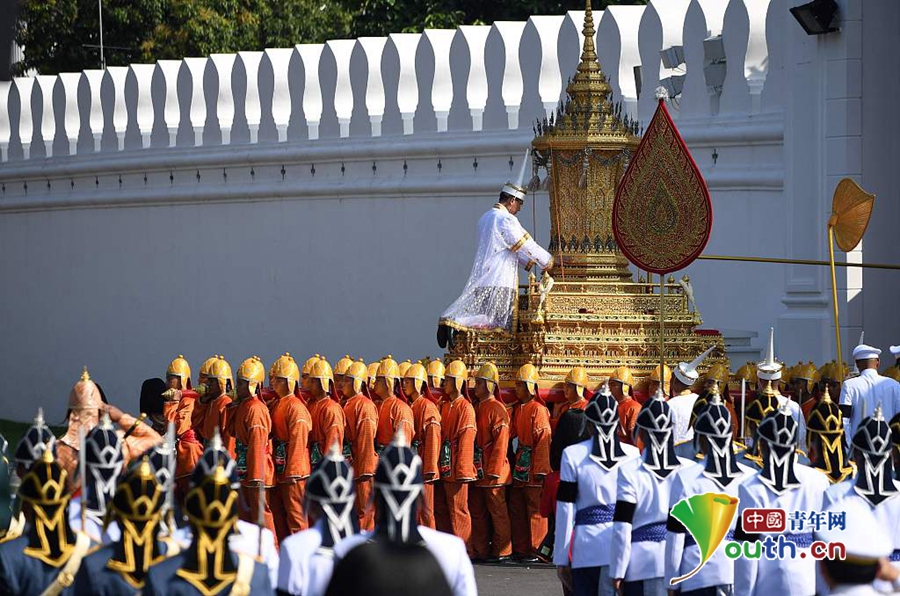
{"points": [[595, 315]]}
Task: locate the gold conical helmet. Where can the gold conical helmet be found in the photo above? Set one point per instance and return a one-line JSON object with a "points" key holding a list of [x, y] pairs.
{"points": [[417, 373], [221, 371], [321, 371], [623, 375], [181, 369], [253, 371], [457, 371], [578, 376], [436, 372], [528, 374], [489, 373], [342, 365], [358, 371]]}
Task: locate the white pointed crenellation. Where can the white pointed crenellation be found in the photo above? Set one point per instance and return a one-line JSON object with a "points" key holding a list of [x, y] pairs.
{"points": [[735, 97], [252, 107], [118, 75], [197, 69], [280, 59], [48, 119], [407, 86], [171, 111], [25, 88], [341, 50], [756, 62], [714, 13], [224, 65], [440, 41], [476, 83], [619, 52], [94, 79], [698, 98], [513, 86], [310, 56], [550, 81], [143, 75], [71, 119], [373, 49], [5, 129]]}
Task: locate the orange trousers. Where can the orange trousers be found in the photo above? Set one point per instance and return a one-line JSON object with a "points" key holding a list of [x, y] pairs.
{"points": [[441, 510], [425, 516], [458, 504], [365, 508], [490, 522], [529, 527], [250, 511], [286, 501]]}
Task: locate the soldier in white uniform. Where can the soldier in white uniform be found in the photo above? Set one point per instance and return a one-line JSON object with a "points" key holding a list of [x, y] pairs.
{"points": [[643, 494], [769, 369], [874, 484], [103, 463], [825, 440], [861, 394], [398, 485], [785, 484], [307, 558], [866, 543], [486, 303], [586, 500], [682, 403], [718, 473]]}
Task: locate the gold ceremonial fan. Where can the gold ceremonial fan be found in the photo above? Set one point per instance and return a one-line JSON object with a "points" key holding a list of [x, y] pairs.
{"points": [[851, 208], [850, 212]]}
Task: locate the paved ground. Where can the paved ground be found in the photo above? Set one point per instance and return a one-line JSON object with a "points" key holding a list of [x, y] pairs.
{"points": [[497, 580]]}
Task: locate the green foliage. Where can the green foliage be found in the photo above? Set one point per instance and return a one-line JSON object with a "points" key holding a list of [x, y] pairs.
{"points": [[61, 35]]}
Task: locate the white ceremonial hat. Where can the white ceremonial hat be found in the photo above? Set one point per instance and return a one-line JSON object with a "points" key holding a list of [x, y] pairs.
{"points": [[864, 538], [864, 352], [518, 189], [895, 350], [769, 369], [686, 372]]}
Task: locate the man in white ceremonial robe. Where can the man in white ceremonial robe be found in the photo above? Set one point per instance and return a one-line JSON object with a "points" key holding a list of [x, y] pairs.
{"points": [[682, 403], [488, 300], [770, 369], [861, 395], [782, 483]]}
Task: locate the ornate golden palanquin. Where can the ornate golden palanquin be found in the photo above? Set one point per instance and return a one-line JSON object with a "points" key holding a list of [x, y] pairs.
{"points": [[596, 315]]}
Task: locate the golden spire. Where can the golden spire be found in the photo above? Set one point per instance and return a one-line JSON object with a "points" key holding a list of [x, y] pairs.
{"points": [[85, 375]]}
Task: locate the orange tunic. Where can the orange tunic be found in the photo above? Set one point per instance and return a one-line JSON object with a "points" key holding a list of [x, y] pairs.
{"points": [[188, 449], [208, 416], [458, 430], [393, 414], [291, 425], [328, 427], [533, 432], [361, 418], [628, 414], [250, 423], [427, 442], [492, 440]]}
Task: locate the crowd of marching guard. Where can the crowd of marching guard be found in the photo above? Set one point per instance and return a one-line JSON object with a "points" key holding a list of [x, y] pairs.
{"points": [[254, 482]]}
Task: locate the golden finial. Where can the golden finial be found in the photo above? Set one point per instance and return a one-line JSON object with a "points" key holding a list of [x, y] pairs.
{"points": [[826, 397], [85, 375], [47, 455], [145, 471], [219, 476], [769, 390]]}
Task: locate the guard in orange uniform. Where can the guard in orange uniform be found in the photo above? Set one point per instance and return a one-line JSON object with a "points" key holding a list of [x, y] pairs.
{"points": [[532, 463], [427, 442], [620, 385], [456, 462], [291, 425], [487, 498], [304, 373], [435, 371], [435, 393], [180, 399], [576, 381], [361, 418], [326, 412], [393, 412], [210, 410], [250, 423]]}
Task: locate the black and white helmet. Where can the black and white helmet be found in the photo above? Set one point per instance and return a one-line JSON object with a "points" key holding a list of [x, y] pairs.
{"points": [[35, 440], [103, 462], [399, 482], [331, 486], [655, 418], [872, 440], [603, 412], [215, 454], [714, 420], [714, 424], [778, 432]]}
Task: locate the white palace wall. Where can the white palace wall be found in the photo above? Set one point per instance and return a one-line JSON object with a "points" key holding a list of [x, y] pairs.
{"points": [[323, 198]]}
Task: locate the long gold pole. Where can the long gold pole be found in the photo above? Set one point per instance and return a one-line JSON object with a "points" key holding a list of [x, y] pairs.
{"points": [[834, 299], [662, 341], [797, 262]]}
